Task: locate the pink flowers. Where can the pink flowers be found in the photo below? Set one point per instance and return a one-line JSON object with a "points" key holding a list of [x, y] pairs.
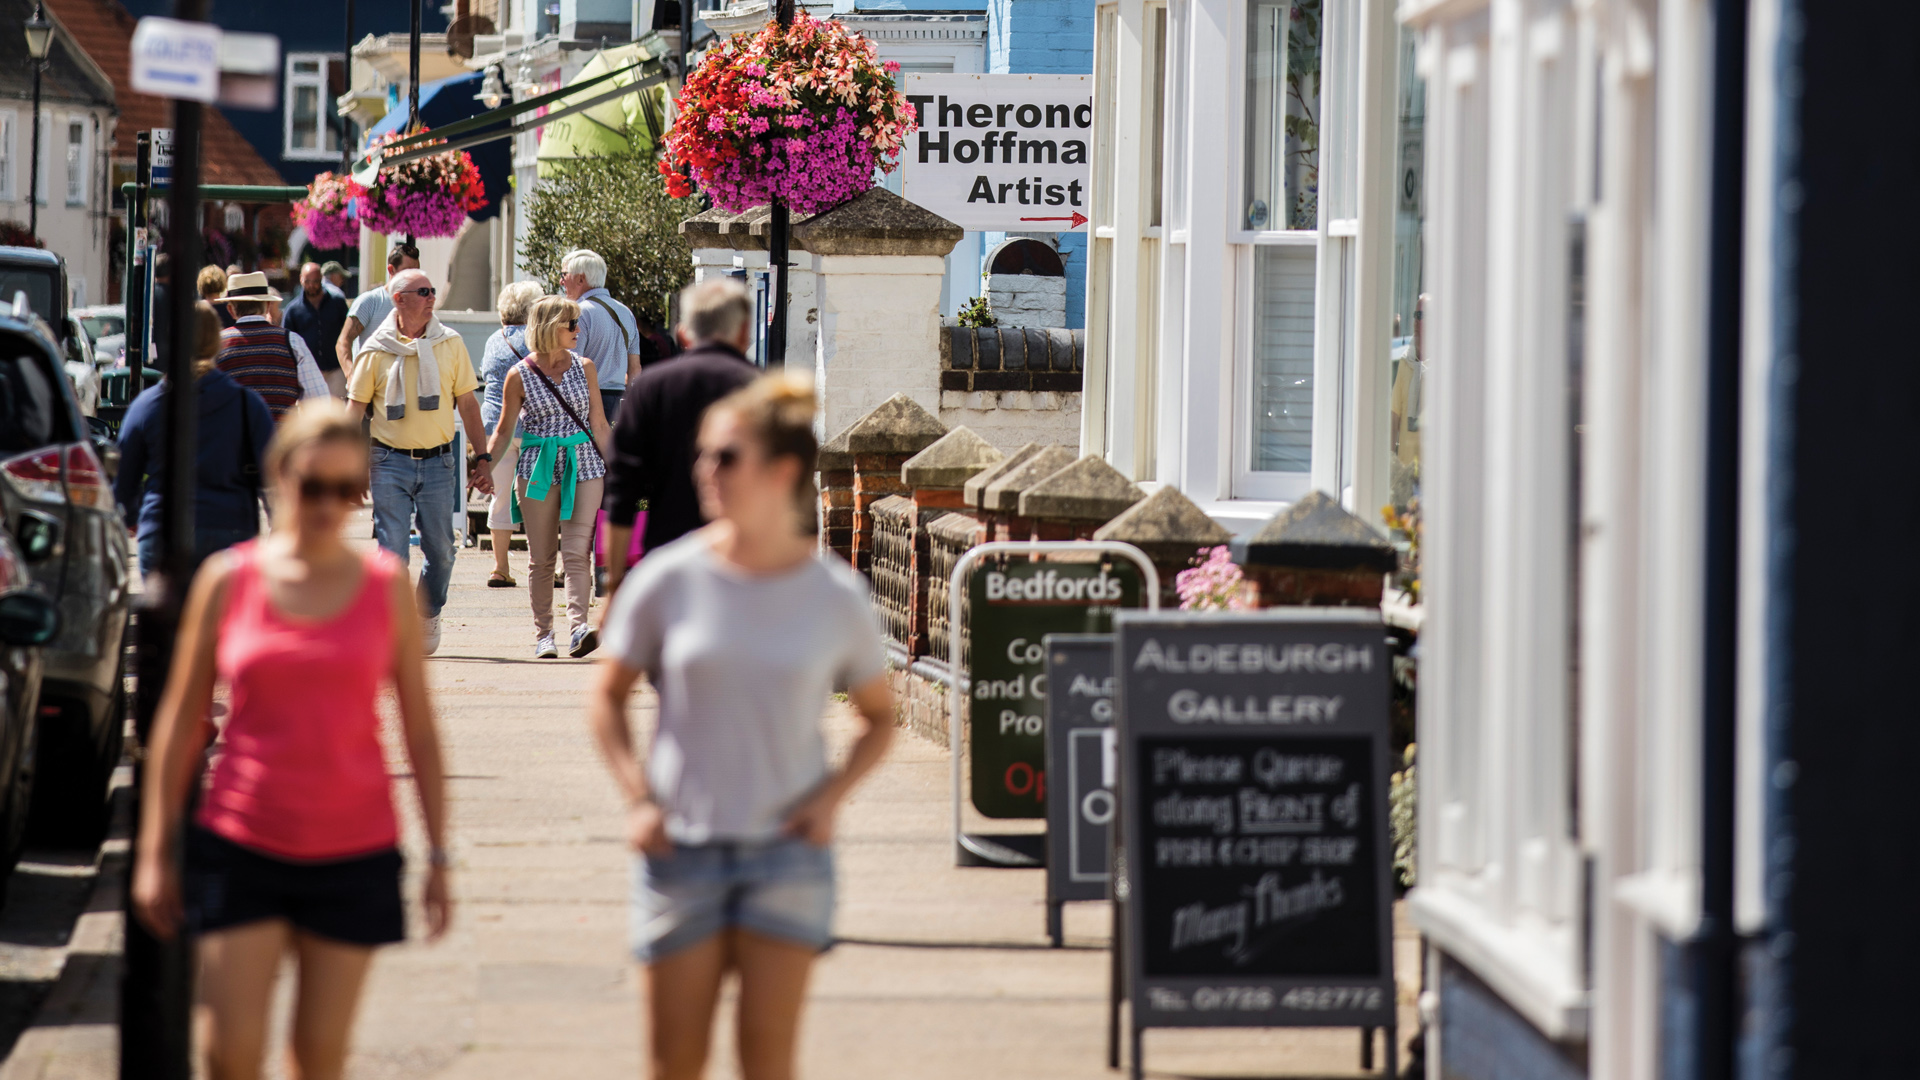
{"points": [[429, 196], [804, 114], [327, 213], [1214, 584]]}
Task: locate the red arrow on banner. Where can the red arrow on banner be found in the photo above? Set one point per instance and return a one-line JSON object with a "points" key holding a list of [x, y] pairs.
{"points": [[1078, 219]]}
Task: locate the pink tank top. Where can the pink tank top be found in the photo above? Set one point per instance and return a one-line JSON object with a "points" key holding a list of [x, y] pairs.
{"points": [[302, 774]]}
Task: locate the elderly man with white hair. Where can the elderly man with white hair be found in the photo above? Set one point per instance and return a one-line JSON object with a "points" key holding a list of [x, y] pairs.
{"points": [[415, 374], [609, 335]]}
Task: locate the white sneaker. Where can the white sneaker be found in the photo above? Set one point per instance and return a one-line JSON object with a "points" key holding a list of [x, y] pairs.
{"points": [[430, 635], [544, 650], [585, 640]]}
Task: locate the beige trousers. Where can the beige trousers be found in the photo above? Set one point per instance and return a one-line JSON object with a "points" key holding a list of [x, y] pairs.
{"points": [[573, 541]]}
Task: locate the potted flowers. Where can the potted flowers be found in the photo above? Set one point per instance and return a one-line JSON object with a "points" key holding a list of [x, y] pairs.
{"points": [[327, 213], [804, 114], [428, 196]]}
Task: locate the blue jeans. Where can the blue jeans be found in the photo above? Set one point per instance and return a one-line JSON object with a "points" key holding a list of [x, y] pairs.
{"points": [[205, 543], [406, 489]]}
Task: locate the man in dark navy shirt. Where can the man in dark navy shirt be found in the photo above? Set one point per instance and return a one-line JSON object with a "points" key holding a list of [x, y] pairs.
{"points": [[660, 415], [317, 314]]}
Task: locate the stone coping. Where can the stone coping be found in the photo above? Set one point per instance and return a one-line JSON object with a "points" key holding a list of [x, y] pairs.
{"points": [[974, 489], [950, 461], [1003, 494], [877, 222], [1317, 533], [898, 425], [1165, 517], [1087, 490], [834, 455]]}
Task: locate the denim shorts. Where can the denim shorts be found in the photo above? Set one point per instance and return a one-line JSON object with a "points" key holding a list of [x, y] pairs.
{"points": [[779, 888]]}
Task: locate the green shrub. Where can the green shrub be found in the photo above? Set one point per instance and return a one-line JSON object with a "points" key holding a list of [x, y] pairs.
{"points": [[618, 207]]}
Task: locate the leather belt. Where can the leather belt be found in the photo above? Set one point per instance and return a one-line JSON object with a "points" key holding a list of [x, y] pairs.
{"points": [[418, 455]]}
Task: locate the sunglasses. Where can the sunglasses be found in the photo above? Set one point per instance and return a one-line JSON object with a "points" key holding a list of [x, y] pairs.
{"points": [[425, 291], [724, 458], [573, 325], [314, 489]]}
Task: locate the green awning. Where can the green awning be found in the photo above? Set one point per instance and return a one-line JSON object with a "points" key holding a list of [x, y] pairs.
{"points": [[620, 124]]}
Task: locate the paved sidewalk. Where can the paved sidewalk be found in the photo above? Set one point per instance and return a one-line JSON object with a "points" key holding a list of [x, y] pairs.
{"points": [[941, 972]]}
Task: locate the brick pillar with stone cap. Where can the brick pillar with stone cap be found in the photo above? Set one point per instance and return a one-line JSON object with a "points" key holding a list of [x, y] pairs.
{"points": [[1316, 553], [881, 442], [835, 463], [1072, 503], [1171, 531], [937, 478], [1002, 495]]}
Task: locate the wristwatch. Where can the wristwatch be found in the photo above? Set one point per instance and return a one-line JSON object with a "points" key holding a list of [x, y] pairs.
{"points": [[440, 859], [483, 457]]}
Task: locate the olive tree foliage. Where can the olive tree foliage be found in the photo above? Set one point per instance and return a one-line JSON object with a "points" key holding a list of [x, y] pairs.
{"points": [[616, 206]]}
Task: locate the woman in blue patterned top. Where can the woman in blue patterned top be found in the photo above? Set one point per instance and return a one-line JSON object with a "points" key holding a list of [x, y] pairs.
{"points": [[551, 396], [507, 347]]}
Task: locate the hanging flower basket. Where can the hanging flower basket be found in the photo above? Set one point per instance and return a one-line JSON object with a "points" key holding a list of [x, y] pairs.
{"points": [[425, 197], [805, 115], [327, 213]]}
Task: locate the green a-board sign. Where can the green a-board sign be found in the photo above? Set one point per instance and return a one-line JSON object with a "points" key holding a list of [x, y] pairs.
{"points": [[1012, 606]]}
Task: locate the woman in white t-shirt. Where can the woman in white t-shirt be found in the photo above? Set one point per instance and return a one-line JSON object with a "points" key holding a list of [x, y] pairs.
{"points": [[744, 629]]}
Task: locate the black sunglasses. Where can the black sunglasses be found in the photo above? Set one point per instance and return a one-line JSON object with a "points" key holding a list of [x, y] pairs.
{"points": [[426, 291], [313, 489], [724, 458], [573, 324]]}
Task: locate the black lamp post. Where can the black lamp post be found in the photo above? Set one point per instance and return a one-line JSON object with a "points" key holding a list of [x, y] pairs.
{"points": [[39, 42]]}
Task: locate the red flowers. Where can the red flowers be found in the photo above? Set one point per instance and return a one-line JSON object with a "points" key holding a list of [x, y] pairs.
{"points": [[806, 115]]}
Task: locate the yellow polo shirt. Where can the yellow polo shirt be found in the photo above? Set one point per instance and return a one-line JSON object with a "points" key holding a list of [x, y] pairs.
{"points": [[418, 430]]}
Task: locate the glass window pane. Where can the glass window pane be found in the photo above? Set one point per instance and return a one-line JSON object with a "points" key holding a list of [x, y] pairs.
{"points": [[306, 67], [1408, 377], [1282, 358], [1283, 115], [1156, 108], [306, 117], [76, 163]]}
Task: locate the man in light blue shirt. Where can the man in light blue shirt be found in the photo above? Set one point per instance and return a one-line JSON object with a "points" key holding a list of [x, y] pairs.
{"points": [[609, 336]]}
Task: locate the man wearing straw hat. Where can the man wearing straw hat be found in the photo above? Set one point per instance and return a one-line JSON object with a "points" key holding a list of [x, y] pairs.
{"points": [[259, 354]]}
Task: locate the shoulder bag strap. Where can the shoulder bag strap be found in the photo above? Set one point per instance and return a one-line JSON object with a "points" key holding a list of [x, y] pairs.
{"points": [[557, 396]]}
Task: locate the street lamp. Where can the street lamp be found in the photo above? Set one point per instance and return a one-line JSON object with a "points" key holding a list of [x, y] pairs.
{"points": [[39, 42], [493, 89]]}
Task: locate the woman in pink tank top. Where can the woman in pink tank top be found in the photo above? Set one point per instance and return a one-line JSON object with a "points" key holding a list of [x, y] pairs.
{"points": [[294, 846]]}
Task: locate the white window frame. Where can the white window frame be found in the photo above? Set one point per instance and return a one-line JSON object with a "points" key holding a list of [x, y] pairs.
{"points": [[9, 154], [1502, 864], [79, 166], [324, 109]]}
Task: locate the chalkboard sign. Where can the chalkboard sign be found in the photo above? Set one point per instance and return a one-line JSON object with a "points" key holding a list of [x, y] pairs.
{"points": [[1082, 760], [1254, 764], [1013, 606]]}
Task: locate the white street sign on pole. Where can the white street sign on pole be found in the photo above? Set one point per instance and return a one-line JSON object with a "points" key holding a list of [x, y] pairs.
{"points": [[1002, 153], [160, 159], [176, 59]]}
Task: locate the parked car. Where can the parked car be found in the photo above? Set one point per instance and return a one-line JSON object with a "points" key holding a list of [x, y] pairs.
{"points": [[28, 621], [106, 324], [83, 370], [57, 501], [42, 275]]}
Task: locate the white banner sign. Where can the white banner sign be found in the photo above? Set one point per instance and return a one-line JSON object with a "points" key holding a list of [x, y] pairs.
{"points": [[176, 59], [1002, 153]]}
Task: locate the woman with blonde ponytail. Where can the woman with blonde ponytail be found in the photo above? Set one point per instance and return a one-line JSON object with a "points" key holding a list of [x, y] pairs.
{"points": [[744, 629]]}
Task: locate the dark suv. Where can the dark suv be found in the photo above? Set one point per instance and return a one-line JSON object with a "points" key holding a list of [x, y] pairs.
{"points": [[57, 502]]}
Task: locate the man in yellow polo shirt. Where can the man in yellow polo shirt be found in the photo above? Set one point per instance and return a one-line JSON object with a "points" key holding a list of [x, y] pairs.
{"points": [[415, 477]]}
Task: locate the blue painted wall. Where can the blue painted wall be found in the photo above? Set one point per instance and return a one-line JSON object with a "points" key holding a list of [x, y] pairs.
{"points": [[1046, 37], [314, 27], [1482, 1038]]}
